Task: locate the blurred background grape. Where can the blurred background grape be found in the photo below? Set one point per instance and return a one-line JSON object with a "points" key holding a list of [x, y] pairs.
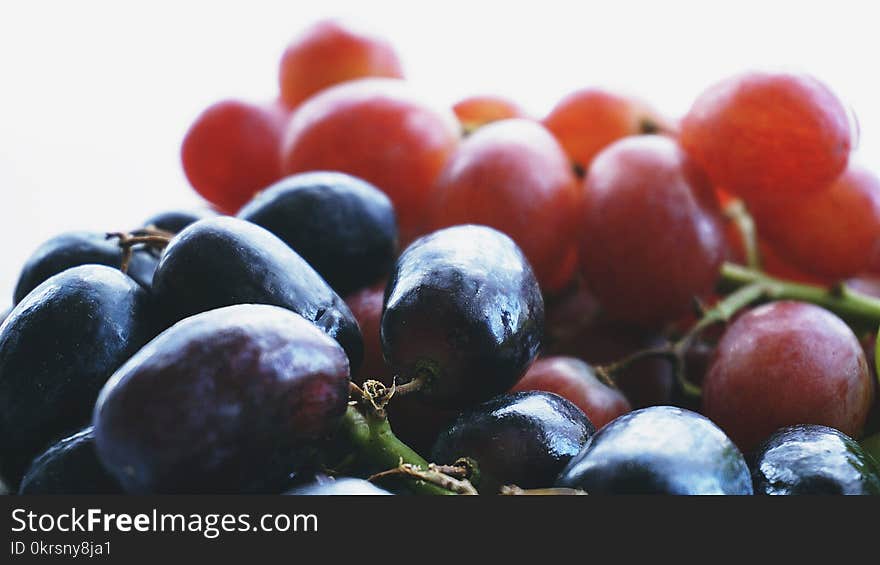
{"points": [[95, 96]]}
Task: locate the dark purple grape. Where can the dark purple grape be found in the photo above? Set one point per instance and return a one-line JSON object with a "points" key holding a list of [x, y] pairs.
{"points": [[80, 248], [70, 466], [224, 261], [232, 400], [521, 438], [659, 450], [464, 313], [343, 226], [342, 486], [57, 348], [811, 459]]}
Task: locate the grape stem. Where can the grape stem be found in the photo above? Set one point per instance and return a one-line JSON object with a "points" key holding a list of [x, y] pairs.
{"points": [[434, 474], [747, 287], [675, 352], [366, 427], [859, 309], [157, 239]]}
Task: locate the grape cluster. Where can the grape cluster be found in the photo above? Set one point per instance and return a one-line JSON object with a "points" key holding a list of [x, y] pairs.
{"points": [[602, 300]]}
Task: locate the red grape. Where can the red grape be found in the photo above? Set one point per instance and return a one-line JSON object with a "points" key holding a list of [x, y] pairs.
{"points": [[379, 131], [232, 150], [330, 52], [652, 236], [835, 233], [787, 363], [574, 380], [588, 120], [766, 136], [476, 111], [513, 176]]}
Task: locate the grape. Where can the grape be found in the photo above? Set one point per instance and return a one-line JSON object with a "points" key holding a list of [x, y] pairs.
{"points": [[522, 439], [376, 130], [783, 364], [588, 120], [340, 486], [833, 234], [228, 401], [330, 52], [57, 348], [652, 237], [72, 249], [809, 459], [659, 450], [768, 137], [463, 313], [70, 466], [223, 261], [476, 111], [344, 227], [231, 152], [513, 176], [575, 381]]}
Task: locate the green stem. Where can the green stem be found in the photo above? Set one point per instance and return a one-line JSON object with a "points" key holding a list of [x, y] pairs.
{"points": [[675, 353], [747, 287], [725, 309], [856, 308], [373, 439]]}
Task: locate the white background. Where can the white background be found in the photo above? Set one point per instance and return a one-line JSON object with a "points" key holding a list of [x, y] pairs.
{"points": [[95, 96]]}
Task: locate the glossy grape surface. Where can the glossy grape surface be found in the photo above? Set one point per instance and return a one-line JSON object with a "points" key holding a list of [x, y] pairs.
{"points": [[809, 459], [345, 228], [520, 438], [463, 311], [231, 400], [223, 261], [57, 348], [659, 450]]}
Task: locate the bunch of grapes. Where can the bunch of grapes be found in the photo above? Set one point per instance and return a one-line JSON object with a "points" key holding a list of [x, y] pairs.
{"points": [[382, 296]]}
